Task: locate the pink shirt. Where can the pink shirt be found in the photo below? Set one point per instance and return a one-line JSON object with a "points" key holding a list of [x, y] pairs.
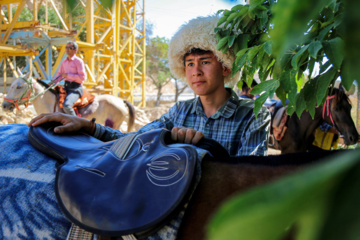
{"points": [[75, 69]]}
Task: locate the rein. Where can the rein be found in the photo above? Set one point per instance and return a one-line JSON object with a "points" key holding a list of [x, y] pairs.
{"points": [[26, 100]]}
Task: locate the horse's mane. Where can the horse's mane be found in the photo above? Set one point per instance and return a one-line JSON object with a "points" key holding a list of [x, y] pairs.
{"points": [[299, 158], [45, 85]]}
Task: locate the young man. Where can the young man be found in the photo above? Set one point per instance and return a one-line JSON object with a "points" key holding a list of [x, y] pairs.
{"points": [[73, 70], [217, 113]]}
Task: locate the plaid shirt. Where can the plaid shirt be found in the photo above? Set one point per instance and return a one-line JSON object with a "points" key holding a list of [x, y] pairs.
{"points": [[234, 125]]}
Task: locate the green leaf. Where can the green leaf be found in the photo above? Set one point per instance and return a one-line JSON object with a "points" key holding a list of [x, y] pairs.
{"points": [[281, 94], [240, 54], [222, 43], [314, 48], [231, 40], [289, 86], [242, 42], [237, 7], [334, 50], [347, 78], [309, 89], [239, 63], [254, 4], [239, 84], [231, 17], [324, 32], [324, 81], [222, 20], [259, 102], [295, 59], [311, 66], [252, 52], [300, 103], [288, 81], [267, 86], [260, 56], [267, 47]]}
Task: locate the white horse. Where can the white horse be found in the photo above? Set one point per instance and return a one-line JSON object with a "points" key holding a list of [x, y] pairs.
{"points": [[107, 109]]}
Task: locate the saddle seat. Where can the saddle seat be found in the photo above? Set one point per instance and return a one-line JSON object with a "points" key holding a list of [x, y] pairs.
{"points": [[279, 118], [132, 185], [82, 102]]}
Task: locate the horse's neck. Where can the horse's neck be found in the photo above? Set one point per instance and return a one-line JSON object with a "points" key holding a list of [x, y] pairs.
{"points": [[44, 103]]}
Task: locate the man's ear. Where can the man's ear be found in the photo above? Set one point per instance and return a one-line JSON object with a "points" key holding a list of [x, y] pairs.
{"points": [[226, 71]]}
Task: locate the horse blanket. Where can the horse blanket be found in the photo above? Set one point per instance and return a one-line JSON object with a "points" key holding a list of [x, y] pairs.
{"points": [[29, 208]]}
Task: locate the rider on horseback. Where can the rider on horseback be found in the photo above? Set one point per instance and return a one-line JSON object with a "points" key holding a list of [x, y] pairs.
{"points": [[72, 69]]}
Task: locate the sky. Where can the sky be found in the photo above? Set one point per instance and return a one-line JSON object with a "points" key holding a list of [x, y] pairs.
{"points": [[168, 15]]}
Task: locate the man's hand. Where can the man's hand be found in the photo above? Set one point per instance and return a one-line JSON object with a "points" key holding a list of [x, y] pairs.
{"points": [[64, 75], [69, 123], [186, 135]]}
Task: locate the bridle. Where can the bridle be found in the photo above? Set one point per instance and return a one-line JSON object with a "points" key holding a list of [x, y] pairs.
{"points": [[327, 110], [27, 99], [24, 98]]}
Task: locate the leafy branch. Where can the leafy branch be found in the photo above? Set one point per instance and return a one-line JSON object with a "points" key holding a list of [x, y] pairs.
{"points": [[284, 41]]}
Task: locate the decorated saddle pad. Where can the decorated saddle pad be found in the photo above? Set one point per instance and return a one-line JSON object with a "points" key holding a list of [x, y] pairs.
{"points": [[133, 185], [29, 208]]}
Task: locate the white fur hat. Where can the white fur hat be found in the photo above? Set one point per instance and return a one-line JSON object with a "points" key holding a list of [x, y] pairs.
{"points": [[198, 33]]}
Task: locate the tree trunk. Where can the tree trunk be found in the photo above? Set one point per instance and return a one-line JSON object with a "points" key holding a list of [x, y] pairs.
{"points": [[158, 96]]}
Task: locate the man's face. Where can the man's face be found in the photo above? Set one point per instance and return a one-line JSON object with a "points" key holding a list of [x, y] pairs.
{"points": [[204, 73], [70, 50]]}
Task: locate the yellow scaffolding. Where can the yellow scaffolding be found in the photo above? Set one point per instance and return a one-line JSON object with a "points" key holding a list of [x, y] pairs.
{"points": [[111, 42]]}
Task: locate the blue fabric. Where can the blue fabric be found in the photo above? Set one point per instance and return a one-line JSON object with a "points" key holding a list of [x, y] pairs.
{"points": [[234, 126], [324, 126], [245, 96], [29, 208]]}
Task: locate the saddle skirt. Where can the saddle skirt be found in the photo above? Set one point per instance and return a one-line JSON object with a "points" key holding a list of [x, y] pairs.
{"points": [[133, 185]]}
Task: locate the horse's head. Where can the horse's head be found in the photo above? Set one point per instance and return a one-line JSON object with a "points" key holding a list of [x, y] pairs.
{"points": [[18, 93], [340, 112]]}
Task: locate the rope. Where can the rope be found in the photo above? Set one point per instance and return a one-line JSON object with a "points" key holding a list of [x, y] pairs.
{"points": [[326, 108]]}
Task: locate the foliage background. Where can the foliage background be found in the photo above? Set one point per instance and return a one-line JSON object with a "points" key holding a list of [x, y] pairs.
{"points": [[284, 41]]}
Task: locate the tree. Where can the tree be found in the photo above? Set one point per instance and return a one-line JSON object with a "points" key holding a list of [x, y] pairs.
{"points": [[179, 88], [284, 39], [157, 64]]}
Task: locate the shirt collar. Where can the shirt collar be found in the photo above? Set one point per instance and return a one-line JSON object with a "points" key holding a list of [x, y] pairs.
{"points": [[226, 111], [72, 58]]}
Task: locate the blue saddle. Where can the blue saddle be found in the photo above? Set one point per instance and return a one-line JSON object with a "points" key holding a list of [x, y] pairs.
{"points": [[132, 185]]}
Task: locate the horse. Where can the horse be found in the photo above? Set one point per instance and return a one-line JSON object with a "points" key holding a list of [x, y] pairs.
{"points": [[108, 110], [336, 111], [30, 210]]}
